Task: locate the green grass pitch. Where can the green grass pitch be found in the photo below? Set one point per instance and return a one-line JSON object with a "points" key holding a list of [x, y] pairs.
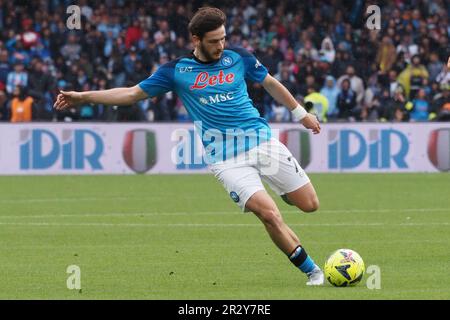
{"points": [[181, 237]]}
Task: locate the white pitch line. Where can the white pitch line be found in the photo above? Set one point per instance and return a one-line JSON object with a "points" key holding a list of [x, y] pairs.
{"points": [[221, 225], [61, 199], [44, 200], [215, 213]]}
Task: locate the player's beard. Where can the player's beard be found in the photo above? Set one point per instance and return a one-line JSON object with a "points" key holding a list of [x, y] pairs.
{"points": [[210, 56]]}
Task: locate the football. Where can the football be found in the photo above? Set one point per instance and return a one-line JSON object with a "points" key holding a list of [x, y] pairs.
{"points": [[344, 267]]}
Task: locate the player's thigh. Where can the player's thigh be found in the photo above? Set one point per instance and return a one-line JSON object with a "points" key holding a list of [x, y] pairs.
{"points": [[287, 178], [280, 169], [240, 182]]}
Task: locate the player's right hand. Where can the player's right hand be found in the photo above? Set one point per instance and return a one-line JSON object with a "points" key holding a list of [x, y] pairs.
{"points": [[310, 121], [67, 99]]}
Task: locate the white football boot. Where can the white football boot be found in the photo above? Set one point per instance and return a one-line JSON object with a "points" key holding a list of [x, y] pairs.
{"points": [[315, 277]]}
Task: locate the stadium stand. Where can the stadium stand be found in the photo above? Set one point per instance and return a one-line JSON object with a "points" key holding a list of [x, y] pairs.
{"points": [[396, 73]]}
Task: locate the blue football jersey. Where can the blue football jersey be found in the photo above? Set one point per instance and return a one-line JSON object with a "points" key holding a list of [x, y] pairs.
{"points": [[215, 96]]}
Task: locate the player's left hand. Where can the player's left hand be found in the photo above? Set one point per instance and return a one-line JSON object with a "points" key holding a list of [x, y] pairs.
{"points": [[310, 122]]}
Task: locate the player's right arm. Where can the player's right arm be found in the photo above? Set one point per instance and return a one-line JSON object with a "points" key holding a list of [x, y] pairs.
{"points": [[116, 96], [158, 83]]}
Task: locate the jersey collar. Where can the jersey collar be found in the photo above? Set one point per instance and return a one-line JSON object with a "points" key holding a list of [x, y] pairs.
{"points": [[200, 61]]}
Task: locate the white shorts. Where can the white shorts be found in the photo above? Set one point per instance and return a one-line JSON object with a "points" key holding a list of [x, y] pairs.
{"points": [[271, 161]]}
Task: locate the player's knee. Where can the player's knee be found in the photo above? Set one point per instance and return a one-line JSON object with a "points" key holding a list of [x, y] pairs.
{"points": [[271, 218]]}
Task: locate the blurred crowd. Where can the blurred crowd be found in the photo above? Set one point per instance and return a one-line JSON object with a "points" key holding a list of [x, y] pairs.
{"points": [[322, 51]]}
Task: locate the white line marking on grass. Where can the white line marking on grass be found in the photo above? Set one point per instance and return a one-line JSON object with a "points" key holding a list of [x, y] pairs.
{"points": [[81, 199], [219, 225], [185, 213], [44, 200]]}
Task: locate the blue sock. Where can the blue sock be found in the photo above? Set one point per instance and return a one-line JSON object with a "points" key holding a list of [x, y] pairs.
{"points": [[302, 260]]}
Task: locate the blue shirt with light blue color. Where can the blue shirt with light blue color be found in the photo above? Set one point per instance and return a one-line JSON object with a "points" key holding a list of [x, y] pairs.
{"points": [[420, 111], [215, 96]]}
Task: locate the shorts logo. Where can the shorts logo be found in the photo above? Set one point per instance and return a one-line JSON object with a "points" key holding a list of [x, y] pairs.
{"points": [[227, 61], [234, 196]]}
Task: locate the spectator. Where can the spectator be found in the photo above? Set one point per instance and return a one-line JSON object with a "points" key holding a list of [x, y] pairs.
{"points": [[307, 82], [17, 52], [346, 102], [18, 77], [164, 32], [390, 109], [443, 78], [331, 92], [133, 34], [21, 105], [341, 62], [130, 61], [399, 115], [116, 70], [408, 47], [144, 40], [309, 51], [110, 26], [162, 106], [279, 113], [179, 48], [317, 103], [356, 83], [374, 109], [413, 77], [71, 50], [419, 108], [86, 10], [270, 60], [394, 86], [287, 79], [441, 105], [40, 84], [28, 37], [327, 52], [386, 55], [4, 68], [180, 22], [435, 66]]}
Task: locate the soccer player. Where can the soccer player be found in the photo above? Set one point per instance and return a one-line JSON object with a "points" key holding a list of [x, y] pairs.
{"points": [[211, 83]]}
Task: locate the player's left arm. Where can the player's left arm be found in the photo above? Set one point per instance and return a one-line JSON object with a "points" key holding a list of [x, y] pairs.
{"points": [[284, 97]]}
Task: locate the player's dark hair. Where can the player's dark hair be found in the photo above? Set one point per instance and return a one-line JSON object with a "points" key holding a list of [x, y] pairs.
{"points": [[206, 19]]}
